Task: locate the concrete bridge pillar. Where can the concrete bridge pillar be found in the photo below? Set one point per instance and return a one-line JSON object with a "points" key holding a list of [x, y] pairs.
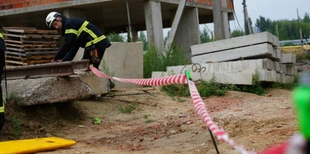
{"points": [[225, 20], [154, 25], [188, 30]]}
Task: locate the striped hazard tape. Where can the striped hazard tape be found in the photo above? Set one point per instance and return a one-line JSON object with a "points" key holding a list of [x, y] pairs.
{"points": [[198, 103]]}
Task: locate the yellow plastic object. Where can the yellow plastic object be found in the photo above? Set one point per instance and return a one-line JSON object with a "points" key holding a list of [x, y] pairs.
{"points": [[291, 49], [307, 47], [34, 145]]}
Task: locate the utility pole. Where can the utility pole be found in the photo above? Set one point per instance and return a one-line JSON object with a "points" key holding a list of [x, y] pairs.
{"points": [[277, 27], [300, 32], [246, 18], [129, 22]]}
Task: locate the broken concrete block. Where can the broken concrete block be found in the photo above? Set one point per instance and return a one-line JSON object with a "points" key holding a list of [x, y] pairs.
{"points": [[48, 90]]}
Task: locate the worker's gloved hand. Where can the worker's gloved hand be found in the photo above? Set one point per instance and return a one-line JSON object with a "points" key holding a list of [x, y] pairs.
{"points": [[2, 120], [58, 60]]}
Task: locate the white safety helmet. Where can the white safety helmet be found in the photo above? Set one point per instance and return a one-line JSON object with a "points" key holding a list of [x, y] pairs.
{"points": [[50, 18]]}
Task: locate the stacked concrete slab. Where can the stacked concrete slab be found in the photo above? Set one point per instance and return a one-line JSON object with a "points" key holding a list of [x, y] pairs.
{"points": [[237, 60]]}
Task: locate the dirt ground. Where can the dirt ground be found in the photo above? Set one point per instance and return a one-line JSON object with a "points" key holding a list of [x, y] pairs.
{"points": [[158, 124]]}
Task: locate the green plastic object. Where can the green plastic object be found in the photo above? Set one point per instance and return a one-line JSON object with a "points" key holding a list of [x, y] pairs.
{"points": [[301, 98], [188, 75]]}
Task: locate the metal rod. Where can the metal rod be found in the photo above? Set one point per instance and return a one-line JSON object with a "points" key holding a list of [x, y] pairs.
{"points": [[46, 70], [214, 143]]}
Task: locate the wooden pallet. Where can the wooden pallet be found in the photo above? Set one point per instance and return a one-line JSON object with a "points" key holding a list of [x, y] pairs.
{"points": [[28, 45]]}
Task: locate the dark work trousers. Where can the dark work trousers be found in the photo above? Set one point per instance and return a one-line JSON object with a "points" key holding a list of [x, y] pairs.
{"points": [[87, 56], [2, 63], [96, 65]]}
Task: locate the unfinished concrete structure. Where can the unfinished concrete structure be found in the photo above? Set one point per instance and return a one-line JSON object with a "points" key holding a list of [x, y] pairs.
{"points": [[183, 16]]}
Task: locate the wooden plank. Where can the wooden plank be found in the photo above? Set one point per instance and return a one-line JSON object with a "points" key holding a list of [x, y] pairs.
{"points": [[40, 53], [21, 46], [41, 49], [51, 36], [13, 41], [19, 29], [15, 53], [8, 57], [29, 30], [34, 36], [41, 57], [15, 62], [32, 62], [15, 35], [47, 31], [33, 49]]}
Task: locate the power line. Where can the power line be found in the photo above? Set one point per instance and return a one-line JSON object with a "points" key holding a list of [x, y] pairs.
{"points": [[237, 20]]}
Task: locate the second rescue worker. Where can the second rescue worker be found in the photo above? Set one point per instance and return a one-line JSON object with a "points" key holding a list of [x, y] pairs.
{"points": [[2, 65], [78, 33]]}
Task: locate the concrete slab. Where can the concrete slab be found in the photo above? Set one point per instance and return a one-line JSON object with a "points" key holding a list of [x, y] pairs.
{"points": [[267, 75], [290, 79], [124, 60], [238, 77], [159, 74], [279, 67], [279, 53], [98, 85], [237, 42], [288, 58], [255, 51], [225, 66], [244, 77], [279, 77], [48, 90]]}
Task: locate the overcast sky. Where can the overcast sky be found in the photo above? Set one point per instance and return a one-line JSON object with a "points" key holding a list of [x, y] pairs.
{"points": [[272, 9]]}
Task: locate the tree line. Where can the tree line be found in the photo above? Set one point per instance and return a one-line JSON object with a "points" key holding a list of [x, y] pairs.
{"points": [[285, 29]]}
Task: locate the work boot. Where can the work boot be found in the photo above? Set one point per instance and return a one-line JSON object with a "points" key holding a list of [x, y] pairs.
{"points": [[112, 85]]}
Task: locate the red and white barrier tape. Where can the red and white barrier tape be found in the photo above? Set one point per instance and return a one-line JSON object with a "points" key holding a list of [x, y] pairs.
{"points": [[168, 80], [198, 103]]}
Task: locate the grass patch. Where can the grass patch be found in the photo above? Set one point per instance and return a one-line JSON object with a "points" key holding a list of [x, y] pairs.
{"points": [[128, 108], [16, 128], [146, 120], [288, 86]]}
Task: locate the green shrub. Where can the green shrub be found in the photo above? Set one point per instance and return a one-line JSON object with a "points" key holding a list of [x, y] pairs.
{"points": [[157, 60]]}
